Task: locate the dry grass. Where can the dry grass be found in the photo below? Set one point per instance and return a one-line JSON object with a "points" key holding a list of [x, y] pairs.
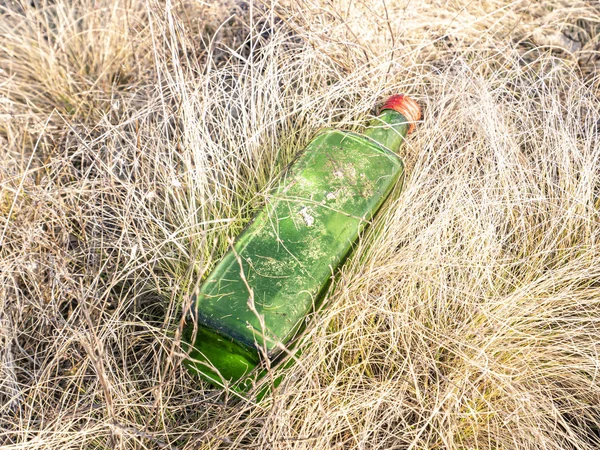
{"points": [[136, 137]]}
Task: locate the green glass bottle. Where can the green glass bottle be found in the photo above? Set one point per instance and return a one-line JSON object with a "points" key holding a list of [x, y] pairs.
{"points": [[259, 294]]}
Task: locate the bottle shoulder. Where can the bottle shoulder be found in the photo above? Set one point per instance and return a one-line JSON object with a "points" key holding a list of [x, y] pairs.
{"points": [[336, 137]]}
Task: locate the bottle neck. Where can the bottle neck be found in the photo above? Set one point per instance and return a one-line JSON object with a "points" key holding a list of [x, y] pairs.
{"points": [[388, 129]]}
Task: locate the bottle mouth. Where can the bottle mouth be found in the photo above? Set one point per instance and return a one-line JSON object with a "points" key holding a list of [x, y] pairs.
{"points": [[405, 106]]}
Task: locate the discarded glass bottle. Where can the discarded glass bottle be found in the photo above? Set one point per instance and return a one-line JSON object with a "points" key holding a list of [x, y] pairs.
{"points": [[257, 297]]}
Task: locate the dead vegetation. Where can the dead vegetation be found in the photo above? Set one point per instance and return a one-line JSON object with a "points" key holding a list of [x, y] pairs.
{"points": [[137, 137]]}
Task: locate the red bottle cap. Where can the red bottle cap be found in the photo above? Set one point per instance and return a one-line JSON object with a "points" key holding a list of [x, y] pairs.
{"points": [[405, 106]]}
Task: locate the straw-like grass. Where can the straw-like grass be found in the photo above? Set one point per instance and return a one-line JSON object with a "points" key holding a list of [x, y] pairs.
{"points": [[137, 137]]}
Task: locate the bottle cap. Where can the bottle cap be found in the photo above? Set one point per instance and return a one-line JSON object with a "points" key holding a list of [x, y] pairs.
{"points": [[405, 106]]}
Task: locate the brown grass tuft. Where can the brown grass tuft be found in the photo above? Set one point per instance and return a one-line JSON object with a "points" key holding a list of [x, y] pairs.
{"points": [[137, 137]]}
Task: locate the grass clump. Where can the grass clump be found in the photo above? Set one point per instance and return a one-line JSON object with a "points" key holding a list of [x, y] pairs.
{"points": [[136, 139]]}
